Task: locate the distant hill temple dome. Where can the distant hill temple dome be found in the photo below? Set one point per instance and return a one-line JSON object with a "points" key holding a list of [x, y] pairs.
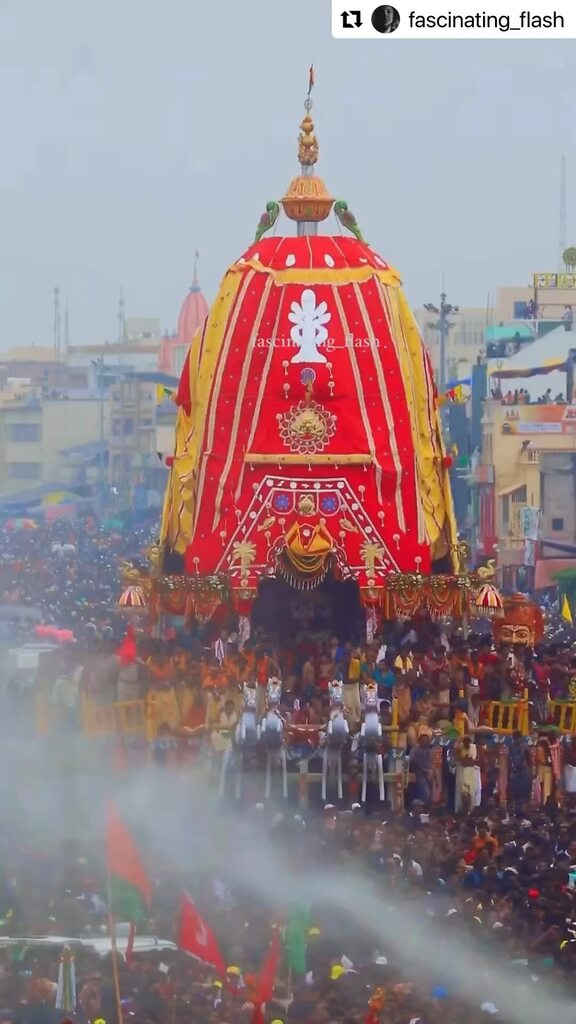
{"points": [[308, 443], [174, 348]]}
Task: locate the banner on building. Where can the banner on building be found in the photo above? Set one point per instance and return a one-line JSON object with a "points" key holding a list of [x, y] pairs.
{"points": [[554, 280], [540, 419], [530, 523]]}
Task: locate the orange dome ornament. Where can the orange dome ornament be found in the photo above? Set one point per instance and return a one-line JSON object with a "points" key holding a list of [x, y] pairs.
{"points": [[308, 437]]}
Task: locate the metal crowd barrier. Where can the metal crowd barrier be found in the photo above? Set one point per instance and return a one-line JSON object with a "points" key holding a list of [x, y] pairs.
{"points": [[507, 717], [129, 719], [562, 714]]}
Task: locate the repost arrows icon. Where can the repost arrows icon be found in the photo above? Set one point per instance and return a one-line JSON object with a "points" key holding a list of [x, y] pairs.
{"points": [[351, 19]]}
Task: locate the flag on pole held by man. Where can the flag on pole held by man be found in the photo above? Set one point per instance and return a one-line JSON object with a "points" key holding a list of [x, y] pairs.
{"points": [[264, 989], [130, 889], [566, 611], [197, 938], [296, 939]]}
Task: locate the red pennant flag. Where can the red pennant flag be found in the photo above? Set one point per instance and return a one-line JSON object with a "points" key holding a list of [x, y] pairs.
{"points": [[197, 938], [265, 989], [128, 652]]}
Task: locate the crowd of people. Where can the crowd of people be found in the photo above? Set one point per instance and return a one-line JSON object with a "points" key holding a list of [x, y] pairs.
{"points": [[485, 859], [521, 396], [501, 880], [433, 690], [65, 573]]}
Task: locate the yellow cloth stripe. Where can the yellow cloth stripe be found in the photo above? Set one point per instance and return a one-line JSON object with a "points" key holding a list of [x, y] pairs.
{"points": [[319, 275], [426, 431], [205, 351], [240, 397], [210, 383]]}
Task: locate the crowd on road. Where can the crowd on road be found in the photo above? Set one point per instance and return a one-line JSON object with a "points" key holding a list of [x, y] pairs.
{"points": [[495, 862], [65, 573], [501, 879]]}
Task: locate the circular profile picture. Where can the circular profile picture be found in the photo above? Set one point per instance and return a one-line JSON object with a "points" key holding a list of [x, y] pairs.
{"points": [[385, 19]]}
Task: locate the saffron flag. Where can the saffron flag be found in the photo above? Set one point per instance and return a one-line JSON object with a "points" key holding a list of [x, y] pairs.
{"points": [[311, 79], [296, 938], [566, 611], [197, 938], [130, 889]]}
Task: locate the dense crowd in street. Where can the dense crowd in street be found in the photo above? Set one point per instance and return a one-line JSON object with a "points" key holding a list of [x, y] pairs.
{"points": [[493, 862], [502, 880], [66, 573]]}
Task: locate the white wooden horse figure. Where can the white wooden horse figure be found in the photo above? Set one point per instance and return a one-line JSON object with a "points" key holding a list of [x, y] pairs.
{"points": [[371, 740], [272, 736], [246, 739], [337, 735]]}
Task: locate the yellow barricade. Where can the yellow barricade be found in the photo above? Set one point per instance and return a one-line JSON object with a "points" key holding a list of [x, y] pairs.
{"points": [[562, 714], [393, 730], [507, 717], [124, 718], [43, 712]]}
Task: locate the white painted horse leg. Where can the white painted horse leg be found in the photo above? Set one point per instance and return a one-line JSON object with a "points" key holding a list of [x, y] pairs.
{"points": [[380, 766], [239, 773], [364, 777], [339, 775], [324, 775], [284, 763], [268, 775]]}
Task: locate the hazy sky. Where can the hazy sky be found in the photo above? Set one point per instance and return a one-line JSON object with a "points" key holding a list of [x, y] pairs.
{"points": [[135, 132]]}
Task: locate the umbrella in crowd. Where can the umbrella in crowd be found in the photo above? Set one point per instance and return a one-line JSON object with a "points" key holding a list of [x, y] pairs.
{"points": [[20, 524]]}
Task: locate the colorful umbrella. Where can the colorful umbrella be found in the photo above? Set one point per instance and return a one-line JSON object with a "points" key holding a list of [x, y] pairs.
{"points": [[488, 602], [20, 524]]}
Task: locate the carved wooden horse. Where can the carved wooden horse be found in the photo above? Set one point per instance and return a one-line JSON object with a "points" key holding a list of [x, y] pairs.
{"points": [[246, 740], [272, 736], [337, 735], [371, 740]]}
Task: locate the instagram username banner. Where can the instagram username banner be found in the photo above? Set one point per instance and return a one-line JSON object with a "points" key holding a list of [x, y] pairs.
{"points": [[462, 19]]}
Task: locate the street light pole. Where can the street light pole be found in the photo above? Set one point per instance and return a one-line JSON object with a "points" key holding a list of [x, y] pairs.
{"points": [[101, 481], [443, 326], [98, 365]]}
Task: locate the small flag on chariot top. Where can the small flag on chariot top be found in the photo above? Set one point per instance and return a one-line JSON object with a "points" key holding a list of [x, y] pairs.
{"points": [[566, 611], [310, 79], [66, 990]]}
